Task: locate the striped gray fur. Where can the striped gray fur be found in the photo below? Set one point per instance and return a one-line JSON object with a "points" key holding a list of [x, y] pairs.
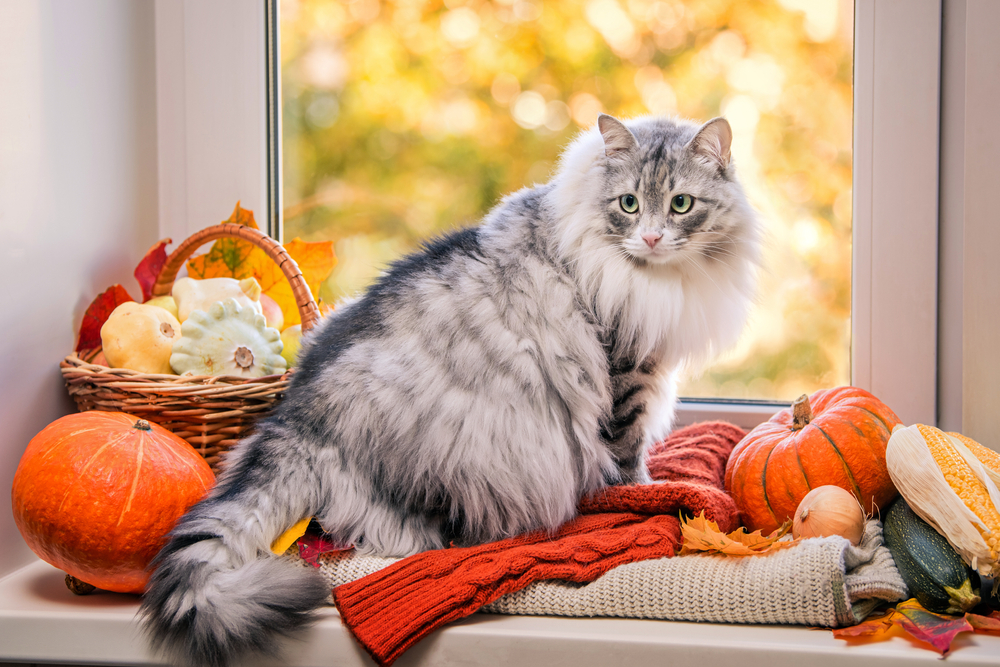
{"points": [[481, 386]]}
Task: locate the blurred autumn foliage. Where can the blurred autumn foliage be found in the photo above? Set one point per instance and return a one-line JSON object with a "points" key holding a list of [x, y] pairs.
{"points": [[405, 118]]}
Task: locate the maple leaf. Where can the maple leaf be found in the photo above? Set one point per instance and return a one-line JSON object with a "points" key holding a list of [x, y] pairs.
{"points": [[97, 314], [227, 257], [987, 625], [149, 268], [316, 261], [938, 630], [875, 625], [236, 258], [312, 545], [241, 216], [703, 536]]}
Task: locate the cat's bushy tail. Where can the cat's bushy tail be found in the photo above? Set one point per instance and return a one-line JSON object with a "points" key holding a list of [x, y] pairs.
{"points": [[217, 592]]}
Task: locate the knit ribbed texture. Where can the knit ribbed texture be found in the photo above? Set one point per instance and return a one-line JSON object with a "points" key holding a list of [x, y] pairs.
{"points": [[390, 610], [819, 582]]}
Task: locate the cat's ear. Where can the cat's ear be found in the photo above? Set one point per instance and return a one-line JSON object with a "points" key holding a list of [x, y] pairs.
{"points": [[713, 141], [617, 139]]}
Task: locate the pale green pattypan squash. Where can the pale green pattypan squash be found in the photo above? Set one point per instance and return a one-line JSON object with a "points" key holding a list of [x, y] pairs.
{"points": [[229, 339], [192, 295]]}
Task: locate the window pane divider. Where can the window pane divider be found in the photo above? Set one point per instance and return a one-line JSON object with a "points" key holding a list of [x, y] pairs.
{"points": [[897, 60]]}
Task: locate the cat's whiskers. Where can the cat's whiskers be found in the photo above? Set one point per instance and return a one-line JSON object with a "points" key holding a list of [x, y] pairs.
{"points": [[624, 258], [716, 249], [693, 261]]}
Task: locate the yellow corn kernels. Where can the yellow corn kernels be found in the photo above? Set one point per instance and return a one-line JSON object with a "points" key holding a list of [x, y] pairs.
{"points": [[986, 456], [944, 483]]}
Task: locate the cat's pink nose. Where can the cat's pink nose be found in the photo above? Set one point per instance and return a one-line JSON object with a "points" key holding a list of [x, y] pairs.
{"points": [[651, 238]]}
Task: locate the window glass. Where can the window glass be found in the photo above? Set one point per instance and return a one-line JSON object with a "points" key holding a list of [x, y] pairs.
{"points": [[405, 119]]}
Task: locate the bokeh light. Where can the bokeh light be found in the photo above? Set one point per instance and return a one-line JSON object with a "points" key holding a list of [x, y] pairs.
{"points": [[405, 118]]}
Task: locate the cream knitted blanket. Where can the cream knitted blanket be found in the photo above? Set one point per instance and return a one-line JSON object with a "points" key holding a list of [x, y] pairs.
{"points": [[819, 582]]}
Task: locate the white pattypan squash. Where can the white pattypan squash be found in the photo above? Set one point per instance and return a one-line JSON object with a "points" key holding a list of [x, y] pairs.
{"points": [[191, 295], [229, 339]]}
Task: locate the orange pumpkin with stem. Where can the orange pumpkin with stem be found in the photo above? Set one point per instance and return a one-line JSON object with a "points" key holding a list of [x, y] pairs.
{"points": [[835, 436], [96, 493]]}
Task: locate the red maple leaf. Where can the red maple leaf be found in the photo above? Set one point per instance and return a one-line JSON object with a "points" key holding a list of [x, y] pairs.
{"points": [[312, 545], [149, 268], [97, 314]]}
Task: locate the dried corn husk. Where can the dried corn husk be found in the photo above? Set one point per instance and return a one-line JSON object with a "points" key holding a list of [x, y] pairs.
{"points": [[918, 461]]}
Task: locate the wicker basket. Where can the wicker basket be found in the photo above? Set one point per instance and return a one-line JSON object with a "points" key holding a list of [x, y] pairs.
{"points": [[210, 412]]}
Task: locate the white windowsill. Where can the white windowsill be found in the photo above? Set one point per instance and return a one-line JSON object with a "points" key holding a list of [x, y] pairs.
{"points": [[40, 620], [744, 415]]}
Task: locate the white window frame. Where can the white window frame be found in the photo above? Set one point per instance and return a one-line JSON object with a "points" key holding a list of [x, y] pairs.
{"points": [[211, 79], [212, 116], [211, 89], [894, 277]]}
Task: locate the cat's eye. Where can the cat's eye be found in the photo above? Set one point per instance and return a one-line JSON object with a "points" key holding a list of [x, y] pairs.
{"points": [[681, 203], [630, 203]]}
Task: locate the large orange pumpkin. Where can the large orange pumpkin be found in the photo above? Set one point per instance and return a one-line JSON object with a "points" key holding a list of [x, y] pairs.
{"points": [[96, 493], [835, 436]]}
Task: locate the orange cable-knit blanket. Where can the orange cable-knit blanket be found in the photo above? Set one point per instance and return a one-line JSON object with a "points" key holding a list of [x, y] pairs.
{"points": [[392, 609]]}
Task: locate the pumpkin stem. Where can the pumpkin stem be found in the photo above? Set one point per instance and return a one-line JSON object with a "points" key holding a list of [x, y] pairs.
{"points": [[802, 412], [79, 587], [142, 425]]}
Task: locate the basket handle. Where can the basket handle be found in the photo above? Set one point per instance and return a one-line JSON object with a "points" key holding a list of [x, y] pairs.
{"points": [[308, 310]]}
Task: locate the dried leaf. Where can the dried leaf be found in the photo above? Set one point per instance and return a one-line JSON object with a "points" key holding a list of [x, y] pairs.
{"points": [[316, 260], [227, 257], [937, 630], [703, 536], [874, 626], [758, 543], [290, 536], [987, 625], [97, 314], [149, 268], [236, 258], [312, 545]]}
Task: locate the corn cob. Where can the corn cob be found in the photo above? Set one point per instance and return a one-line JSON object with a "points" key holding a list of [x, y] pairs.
{"points": [[986, 456], [949, 488]]}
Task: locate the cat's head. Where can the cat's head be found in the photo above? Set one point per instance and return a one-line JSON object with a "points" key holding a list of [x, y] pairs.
{"points": [[654, 202], [659, 192], [669, 189]]}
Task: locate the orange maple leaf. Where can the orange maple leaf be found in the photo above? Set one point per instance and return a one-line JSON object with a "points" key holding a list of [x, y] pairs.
{"points": [[987, 625], [315, 260], [703, 536], [227, 258], [874, 626], [236, 258]]}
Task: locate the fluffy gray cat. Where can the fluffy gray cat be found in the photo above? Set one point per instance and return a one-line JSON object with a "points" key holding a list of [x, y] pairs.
{"points": [[481, 386]]}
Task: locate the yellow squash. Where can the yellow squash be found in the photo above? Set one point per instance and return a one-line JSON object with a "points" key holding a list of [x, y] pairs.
{"points": [[140, 337]]}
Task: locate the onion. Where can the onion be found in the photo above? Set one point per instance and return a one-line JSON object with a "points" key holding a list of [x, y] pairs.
{"points": [[829, 510]]}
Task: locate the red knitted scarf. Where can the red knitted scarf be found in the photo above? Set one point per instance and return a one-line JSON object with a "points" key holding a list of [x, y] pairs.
{"points": [[392, 609]]}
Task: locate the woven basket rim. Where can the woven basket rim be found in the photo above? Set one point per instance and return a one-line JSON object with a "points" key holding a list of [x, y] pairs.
{"points": [[308, 310], [74, 360]]}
